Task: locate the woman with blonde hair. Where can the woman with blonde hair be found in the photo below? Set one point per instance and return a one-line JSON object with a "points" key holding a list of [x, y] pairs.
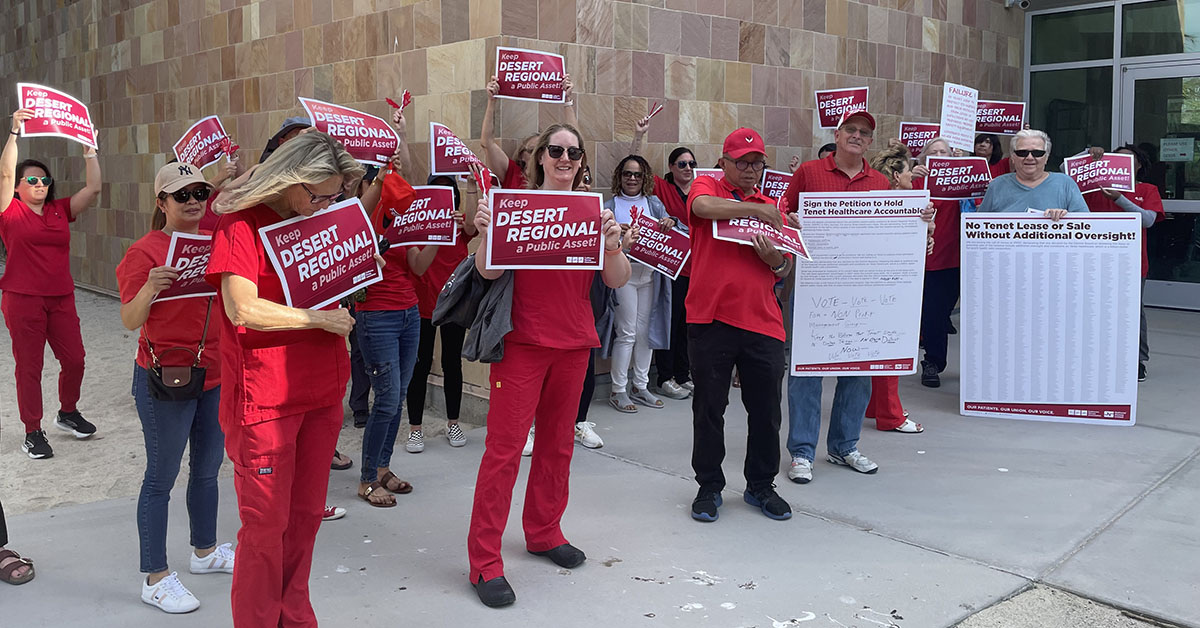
{"points": [[285, 372]]}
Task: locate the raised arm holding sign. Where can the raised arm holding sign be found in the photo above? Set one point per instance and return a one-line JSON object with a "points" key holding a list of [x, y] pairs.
{"points": [[368, 138], [55, 114]]}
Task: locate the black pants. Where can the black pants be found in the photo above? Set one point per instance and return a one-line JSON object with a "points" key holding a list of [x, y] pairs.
{"points": [[589, 388], [360, 383], [673, 363], [715, 349], [941, 294], [3, 528], [452, 378]]}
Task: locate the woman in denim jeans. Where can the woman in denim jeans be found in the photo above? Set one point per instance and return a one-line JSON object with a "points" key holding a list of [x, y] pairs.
{"points": [[171, 331]]}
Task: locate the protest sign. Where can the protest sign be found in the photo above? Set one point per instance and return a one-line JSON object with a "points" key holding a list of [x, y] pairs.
{"points": [[959, 112], [745, 230], [545, 229], [429, 220], [368, 139], [323, 257], [1113, 171], [953, 178], [663, 252], [915, 135], [202, 144], [55, 114], [832, 103], [775, 182], [1050, 317], [188, 253], [857, 307], [715, 173], [448, 155], [529, 75], [1000, 117]]}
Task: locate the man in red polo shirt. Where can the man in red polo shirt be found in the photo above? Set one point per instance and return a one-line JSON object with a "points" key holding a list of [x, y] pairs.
{"points": [[734, 320]]}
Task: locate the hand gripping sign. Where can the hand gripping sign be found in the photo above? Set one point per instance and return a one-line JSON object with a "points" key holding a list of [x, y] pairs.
{"points": [[915, 135], [448, 155], [529, 75], [368, 139], [775, 182], [55, 114], [953, 178], [1000, 117], [323, 257], [1113, 171], [202, 144], [832, 103], [744, 230], [663, 252], [545, 229], [428, 221], [188, 254]]}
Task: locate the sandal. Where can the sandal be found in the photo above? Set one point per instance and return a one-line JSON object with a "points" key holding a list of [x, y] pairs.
{"points": [[401, 487], [621, 403], [336, 465], [644, 398], [909, 427], [8, 572], [388, 501]]}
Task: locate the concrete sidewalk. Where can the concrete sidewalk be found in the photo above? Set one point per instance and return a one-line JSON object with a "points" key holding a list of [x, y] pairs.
{"points": [[958, 518]]}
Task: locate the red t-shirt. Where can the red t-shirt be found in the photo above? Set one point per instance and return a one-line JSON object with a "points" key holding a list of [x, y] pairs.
{"points": [[271, 374], [39, 249], [823, 175], [208, 222], [514, 177], [1144, 195], [430, 285], [946, 233], [553, 309], [396, 291], [174, 324], [1004, 166], [677, 208], [729, 282]]}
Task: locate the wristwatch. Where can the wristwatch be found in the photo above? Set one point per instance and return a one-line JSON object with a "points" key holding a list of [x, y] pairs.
{"points": [[782, 265]]}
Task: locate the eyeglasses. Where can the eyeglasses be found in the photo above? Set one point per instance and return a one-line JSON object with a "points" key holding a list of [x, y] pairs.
{"points": [[851, 130], [317, 199], [587, 176], [46, 181], [629, 174], [574, 153], [754, 165], [182, 196], [1025, 152], [681, 164]]}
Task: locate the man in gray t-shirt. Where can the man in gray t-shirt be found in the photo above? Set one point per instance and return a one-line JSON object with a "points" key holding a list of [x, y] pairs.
{"points": [[1029, 185]]}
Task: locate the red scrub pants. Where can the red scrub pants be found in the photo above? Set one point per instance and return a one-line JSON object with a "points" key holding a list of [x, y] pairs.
{"points": [[885, 406], [530, 381], [32, 322], [281, 475]]}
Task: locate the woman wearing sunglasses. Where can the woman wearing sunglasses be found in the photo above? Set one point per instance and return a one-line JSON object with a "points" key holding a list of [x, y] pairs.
{"points": [[174, 333], [285, 371], [541, 375], [38, 293], [1029, 185]]}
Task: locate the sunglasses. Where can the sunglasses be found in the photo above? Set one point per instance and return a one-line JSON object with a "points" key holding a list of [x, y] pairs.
{"points": [[755, 165], [317, 199], [681, 164], [574, 153], [182, 196], [628, 174], [46, 181], [587, 177], [1025, 152]]}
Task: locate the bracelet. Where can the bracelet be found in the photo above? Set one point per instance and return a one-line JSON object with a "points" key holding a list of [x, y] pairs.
{"points": [[782, 265], [91, 156], [613, 251], [568, 103], [16, 133]]}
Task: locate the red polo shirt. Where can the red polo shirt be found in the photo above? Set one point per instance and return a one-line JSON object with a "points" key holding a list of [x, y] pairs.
{"points": [[1144, 195], [729, 283], [823, 175], [39, 249]]}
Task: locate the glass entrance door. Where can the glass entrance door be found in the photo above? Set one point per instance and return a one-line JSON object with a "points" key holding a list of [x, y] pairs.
{"points": [[1160, 113]]}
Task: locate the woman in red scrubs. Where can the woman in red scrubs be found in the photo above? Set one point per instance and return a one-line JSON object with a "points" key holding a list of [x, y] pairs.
{"points": [[541, 374], [38, 293], [284, 373]]}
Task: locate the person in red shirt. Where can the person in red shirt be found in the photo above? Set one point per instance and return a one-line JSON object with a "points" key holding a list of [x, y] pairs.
{"points": [[285, 371], [541, 374], [38, 299], [988, 146], [174, 332], [511, 170], [733, 320]]}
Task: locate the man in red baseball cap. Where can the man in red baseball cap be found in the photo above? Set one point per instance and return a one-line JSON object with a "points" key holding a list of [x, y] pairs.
{"points": [[734, 320]]}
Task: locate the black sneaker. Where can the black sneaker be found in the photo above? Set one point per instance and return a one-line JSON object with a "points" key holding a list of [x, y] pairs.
{"points": [[771, 504], [360, 419], [929, 375], [74, 423], [37, 446], [495, 592], [566, 555], [704, 507], [1141, 371]]}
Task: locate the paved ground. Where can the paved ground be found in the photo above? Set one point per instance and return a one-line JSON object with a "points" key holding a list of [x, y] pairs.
{"points": [[959, 518]]}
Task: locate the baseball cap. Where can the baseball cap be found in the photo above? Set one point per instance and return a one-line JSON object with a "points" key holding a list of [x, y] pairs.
{"points": [[176, 176], [295, 122], [743, 142], [860, 113]]}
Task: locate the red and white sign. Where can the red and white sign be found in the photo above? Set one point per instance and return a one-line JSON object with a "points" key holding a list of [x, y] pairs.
{"points": [[530, 75], [744, 230], [774, 183], [55, 114], [428, 221], [1001, 117], [368, 139], [544, 229], [915, 135], [202, 144], [663, 252], [448, 155], [188, 254], [1113, 171], [1090, 412], [832, 103], [715, 173], [953, 178], [959, 112], [323, 257]]}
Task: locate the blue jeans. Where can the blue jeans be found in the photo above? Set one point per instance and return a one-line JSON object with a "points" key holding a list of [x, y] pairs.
{"points": [[845, 421], [389, 341], [169, 427]]}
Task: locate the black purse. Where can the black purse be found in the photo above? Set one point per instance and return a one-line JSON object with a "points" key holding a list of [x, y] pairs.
{"points": [[178, 383]]}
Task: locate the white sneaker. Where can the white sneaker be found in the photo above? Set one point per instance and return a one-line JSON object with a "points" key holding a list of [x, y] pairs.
{"points": [[688, 385], [587, 436], [855, 461], [801, 471], [672, 390], [528, 451], [220, 561], [333, 513], [455, 435], [169, 595], [416, 442]]}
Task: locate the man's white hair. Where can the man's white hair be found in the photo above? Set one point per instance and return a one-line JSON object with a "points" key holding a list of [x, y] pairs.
{"points": [[1029, 133]]}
